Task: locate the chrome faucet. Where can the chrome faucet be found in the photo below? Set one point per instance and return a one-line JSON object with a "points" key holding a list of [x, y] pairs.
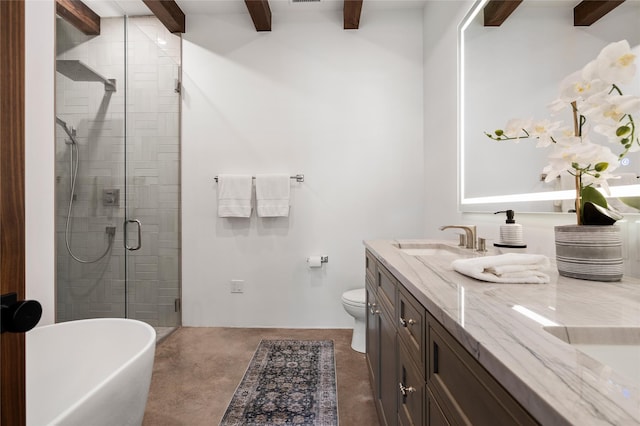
{"points": [[469, 230]]}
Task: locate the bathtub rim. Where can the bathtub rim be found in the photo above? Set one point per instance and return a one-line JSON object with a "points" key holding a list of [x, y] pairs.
{"points": [[100, 385]]}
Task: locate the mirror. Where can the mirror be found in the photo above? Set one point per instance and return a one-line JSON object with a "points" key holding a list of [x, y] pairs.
{"points": [[514, 71]]}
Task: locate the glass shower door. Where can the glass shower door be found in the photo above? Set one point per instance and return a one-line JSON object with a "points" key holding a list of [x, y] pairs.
{"points": [[90, 133], [152, 173]]}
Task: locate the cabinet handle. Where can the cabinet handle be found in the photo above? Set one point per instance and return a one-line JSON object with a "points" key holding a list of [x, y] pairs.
{"points": [[404, 322], [406, 390], [436, 366]]}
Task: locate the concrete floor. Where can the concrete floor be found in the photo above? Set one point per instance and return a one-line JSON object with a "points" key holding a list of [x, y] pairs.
{"points": [[197, 370]]}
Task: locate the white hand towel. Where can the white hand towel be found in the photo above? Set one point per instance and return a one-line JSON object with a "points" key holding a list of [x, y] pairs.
{"points": [[272, 195], [234, 195], [517, 268]]}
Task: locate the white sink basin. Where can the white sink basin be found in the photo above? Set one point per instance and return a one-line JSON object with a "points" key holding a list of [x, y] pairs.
{"points": [[617, 347], [432, 249]]}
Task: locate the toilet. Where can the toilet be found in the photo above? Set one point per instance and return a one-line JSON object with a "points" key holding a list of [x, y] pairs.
{"points": [[354, 302]]}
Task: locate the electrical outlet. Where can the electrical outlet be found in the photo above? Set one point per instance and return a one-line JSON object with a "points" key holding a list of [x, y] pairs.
{"points": [[237, 286]]}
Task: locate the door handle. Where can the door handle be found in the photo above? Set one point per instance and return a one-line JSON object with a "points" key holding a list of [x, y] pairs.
{"points": [[126, 240], [19, 316]]}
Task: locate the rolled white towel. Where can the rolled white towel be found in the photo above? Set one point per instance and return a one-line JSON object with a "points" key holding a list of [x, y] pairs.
{"points": [[517, 268]]}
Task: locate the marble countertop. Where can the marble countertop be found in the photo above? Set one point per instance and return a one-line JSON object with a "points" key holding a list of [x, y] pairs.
{"points": [[557, 383]]}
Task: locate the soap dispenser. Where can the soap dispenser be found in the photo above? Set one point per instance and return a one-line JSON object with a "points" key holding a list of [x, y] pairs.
{"points": [[510, 232]]}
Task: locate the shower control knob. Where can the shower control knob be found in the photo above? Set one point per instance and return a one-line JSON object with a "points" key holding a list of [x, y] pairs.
{"points": [[19, 316]]}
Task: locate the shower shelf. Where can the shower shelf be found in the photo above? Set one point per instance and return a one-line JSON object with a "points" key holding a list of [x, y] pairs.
{"points": [[79, 71]]}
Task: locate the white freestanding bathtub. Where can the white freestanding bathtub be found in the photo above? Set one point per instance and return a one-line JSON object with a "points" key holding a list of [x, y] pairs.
{"points": [[89, 372]]}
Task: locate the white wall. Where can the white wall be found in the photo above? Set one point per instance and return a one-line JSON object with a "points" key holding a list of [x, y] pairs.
{"points": [[440, 114], [39, 154], [440, 69], [342, 107]]}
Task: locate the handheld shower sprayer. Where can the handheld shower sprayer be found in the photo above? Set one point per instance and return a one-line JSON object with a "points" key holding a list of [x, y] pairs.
{"points": [[74, 155], [70, 131]]}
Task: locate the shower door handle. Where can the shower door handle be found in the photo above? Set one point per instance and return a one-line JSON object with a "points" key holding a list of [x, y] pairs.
{"points": [[126, 240]]}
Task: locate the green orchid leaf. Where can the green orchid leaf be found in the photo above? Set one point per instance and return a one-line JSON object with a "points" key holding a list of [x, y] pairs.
{"points": [[631, 202], [590, 194]]}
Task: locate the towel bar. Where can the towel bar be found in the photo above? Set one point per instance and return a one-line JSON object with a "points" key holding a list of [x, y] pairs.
{"points": [[298, 178]]}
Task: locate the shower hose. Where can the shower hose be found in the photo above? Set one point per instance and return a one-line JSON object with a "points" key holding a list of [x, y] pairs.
{"points": [[73, 164]]}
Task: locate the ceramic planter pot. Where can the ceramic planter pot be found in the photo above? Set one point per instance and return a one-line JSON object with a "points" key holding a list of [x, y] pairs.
{"points": [[589, 252]]}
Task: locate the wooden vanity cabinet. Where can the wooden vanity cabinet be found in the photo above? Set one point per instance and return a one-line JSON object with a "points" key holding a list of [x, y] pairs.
{"points": [[420, 374]]}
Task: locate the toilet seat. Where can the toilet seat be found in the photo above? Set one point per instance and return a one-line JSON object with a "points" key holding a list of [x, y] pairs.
{"points": [[357, 297]]}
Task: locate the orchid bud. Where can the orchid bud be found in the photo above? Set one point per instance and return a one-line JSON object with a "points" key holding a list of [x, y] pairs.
{"points": [[622, 130], [601, 167], [499, 132]]}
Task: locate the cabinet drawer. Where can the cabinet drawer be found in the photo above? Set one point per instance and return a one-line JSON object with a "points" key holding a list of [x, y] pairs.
{"points": [[465, 389], [411, 326], [411, 389], [386, 288], [370, 266]]}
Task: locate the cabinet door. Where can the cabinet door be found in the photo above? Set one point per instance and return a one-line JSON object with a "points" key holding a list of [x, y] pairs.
{"points": [[373, 340], [410, 389], [411, 326], [435, 416], [464, 388], [388, 381]]}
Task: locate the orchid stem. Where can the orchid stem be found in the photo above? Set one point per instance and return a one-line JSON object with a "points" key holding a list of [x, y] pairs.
{"points": [[578, 197]]}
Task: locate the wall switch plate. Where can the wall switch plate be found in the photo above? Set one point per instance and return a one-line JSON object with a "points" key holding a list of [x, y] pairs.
{"points": [[237, 286]]}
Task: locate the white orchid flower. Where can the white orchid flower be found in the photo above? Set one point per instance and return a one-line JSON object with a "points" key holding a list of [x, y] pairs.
{"points": [[543, 131], [615, 63], [555, 168], [559, 161], [558, 105], [585, 155], [515, 127], [608, 130], [607, 108], [577, 87]]}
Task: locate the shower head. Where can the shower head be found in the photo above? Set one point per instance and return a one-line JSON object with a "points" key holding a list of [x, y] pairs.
{"points": [[70, 131], [79, 71]]}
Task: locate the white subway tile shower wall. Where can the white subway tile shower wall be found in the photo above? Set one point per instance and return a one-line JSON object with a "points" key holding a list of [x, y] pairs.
{"points": [[153, 188]]}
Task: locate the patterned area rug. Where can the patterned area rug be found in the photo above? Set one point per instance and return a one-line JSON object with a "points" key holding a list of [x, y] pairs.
{"points": [[288, 382]]}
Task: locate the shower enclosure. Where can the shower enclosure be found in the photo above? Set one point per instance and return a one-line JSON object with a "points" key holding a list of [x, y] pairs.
{"points": [[117, 172]]}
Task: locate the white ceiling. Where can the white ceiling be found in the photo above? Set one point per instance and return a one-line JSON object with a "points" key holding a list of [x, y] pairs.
{"points": [[107, 8]]}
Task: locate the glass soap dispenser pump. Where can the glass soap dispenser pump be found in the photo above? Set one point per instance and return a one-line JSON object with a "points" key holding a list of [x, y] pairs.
{"points": [[510, 232]]}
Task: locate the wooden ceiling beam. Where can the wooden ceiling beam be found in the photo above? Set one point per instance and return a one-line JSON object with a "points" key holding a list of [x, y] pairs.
{"points": [[351, 11], [169, 13], [79, 15], [589, 11], [497, 11], [260, 14]]}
